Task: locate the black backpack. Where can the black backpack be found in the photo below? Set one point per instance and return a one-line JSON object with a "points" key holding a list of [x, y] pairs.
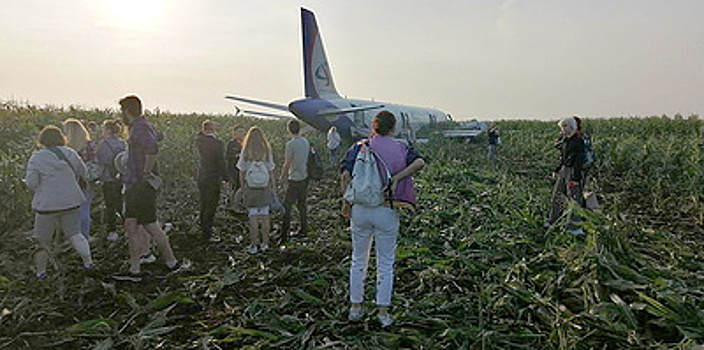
{"points": [[315, 165], [589, 157]]}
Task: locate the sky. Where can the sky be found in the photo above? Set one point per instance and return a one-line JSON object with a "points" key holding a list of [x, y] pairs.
{"points": [[488, 59]]}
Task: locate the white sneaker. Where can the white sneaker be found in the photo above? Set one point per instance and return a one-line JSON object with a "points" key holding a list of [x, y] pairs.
{"points": [[147, 258], [264, 247], [215, 237], [252, 249], [386, 320], [167, 227], [356, 313], [577, 232], [113, 237]]}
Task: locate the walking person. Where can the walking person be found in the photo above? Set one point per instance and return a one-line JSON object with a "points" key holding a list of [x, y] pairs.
{"points": [[295, 172], [379, 223], [256, 166], [334, 141], [210, 175], [78, 138], [141, 184], [108, 148], [494, 140], [52, 175], [570, 177]]}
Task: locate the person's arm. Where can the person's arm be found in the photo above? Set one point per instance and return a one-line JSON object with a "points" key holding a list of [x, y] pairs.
{"points": [[31, 177], [149, 162], [344, 182], [287, 162], [411, 169]]}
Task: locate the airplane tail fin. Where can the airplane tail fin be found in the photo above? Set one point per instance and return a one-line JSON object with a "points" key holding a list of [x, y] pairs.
{"points": [[317, 76]]}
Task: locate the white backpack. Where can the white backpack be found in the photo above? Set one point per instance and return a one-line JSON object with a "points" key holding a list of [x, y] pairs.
{"points": [[370, 175], [257, 175]]}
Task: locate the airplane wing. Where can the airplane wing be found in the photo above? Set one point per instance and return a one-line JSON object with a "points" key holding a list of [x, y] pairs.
{"points": [[266, 104], [462, 134], [328, 112]]}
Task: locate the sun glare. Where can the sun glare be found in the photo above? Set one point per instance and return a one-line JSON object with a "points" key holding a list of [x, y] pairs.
{"points": [[134, 13]]}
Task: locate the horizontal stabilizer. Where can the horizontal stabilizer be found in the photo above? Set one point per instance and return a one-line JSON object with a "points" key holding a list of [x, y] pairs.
{"points": [[348, 110], [268, 115], [266, 104]]}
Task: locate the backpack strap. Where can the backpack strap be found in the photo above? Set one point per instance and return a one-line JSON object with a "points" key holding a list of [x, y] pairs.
{"points": [[386, 176], [62, 156]]}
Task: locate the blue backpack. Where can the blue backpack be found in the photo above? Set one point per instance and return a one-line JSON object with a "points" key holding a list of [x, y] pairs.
{"points": [[370, 176]]}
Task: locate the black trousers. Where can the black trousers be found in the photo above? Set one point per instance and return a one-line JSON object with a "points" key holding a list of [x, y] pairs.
{"points": [[296, 193], [112, 194], [209, 200]]}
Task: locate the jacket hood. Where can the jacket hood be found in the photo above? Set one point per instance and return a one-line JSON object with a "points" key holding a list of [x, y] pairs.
{"points": [[52, 161]]}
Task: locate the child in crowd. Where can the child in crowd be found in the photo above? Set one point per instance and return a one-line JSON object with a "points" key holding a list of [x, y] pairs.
{"points": [[108, 149], [256, 165]]}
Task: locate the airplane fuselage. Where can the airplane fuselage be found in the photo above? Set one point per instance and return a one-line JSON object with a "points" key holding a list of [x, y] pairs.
{"points": [[320, 114]]}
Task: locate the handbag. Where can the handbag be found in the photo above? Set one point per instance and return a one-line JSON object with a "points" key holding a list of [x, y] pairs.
{"points": [[590, 200]]}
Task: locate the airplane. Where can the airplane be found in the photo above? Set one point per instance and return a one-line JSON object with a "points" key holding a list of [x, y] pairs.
{"points": [[323, 107]]}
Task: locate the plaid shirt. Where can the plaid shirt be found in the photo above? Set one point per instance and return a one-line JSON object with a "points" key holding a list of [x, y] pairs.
{"points": [[141, 142]]}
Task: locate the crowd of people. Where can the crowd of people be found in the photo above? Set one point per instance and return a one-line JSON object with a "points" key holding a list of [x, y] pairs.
{"points": [[62, 175]]}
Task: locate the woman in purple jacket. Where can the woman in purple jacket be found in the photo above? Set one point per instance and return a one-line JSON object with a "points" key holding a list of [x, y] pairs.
{"points": [[379, 223]]}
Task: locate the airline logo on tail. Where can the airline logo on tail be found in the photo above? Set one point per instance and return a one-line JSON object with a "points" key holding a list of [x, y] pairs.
{"points": [[323, 73]]}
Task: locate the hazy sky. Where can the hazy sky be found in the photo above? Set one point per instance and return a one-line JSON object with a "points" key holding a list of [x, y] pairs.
{"points": [[470, 58]]}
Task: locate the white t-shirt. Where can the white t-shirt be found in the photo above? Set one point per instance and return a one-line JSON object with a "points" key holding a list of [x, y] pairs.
{"points": [[297, 151]]}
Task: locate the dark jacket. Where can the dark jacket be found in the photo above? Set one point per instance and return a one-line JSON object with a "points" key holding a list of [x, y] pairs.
{"points": [[212, 160], [232, 156], [572, 155]]}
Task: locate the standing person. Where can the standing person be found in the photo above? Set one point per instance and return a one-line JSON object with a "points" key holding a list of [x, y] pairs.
{"points": [[210, 174], [256, 166], [295, 171], [379, 223], [334, 141], [52, 174], [569, 174], [232, 156], [493, 136], [141, 185], [108, 148], [93, 129], [79, 139]]}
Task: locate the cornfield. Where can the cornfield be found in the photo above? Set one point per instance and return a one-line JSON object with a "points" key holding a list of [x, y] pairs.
{"points": [[475, 267]]}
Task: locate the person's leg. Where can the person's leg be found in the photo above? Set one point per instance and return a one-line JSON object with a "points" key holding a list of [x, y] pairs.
{"points": [[44, 225], [361, 230], [85, 213], [253, 230], [301, 196], [138, 243], [265, 221], [71, 225], [202, 193], [140, 207], [162, 242], [209, 199], [558, 197], [386, 223], [111, 205], [289, 199]]}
